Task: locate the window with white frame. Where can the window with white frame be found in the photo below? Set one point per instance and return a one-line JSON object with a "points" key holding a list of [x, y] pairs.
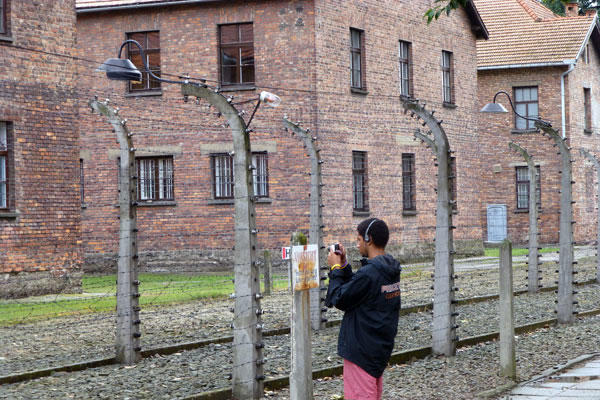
{"points": [[404, 56], [155, 178], [526, 104], [447, 77]]}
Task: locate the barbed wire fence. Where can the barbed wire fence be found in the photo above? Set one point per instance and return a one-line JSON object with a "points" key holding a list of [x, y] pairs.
{"points": [[182, 306]]}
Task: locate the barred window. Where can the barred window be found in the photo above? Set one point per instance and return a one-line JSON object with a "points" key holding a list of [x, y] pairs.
{"points": [[408, 182], [522, 182], [150, 42], [260, 174], [359, 181], [526, 104], [4, 187], [447, 77], [357, 58], [236, 48], [155, 178], [3, 17], [405, 69], [587, 109], [223, 175]]}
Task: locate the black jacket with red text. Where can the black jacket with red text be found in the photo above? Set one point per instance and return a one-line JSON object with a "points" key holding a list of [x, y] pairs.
{"points": [[370, 299]]}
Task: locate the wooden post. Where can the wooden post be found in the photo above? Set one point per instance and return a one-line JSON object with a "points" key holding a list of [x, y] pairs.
{"points": [[533, 283], [248, 343], [507, 325], [315, 235], [128, 350], [444, 335], [267, 273], [301, 385]]}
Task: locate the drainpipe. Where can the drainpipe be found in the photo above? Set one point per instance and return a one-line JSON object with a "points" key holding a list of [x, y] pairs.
{"points": [[571, 64]]}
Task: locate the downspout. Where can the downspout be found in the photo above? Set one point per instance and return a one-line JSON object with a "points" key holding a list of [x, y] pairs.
{"points": [[562, 98]]}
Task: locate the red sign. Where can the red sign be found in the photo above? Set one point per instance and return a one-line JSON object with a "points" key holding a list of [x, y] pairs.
{"points": [[285, 253]]}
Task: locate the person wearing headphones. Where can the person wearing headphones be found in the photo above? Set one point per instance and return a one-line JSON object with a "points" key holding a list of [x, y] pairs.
{"points": [[370, 299]]}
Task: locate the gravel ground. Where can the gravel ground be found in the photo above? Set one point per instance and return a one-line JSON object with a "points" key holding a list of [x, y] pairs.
{"points": [[69, 340]]}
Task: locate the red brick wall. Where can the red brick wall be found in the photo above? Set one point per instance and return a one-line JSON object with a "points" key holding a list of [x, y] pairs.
{"points": [[302, 54], [42, 229], [376, 123], [498, 162], [585, 176]]}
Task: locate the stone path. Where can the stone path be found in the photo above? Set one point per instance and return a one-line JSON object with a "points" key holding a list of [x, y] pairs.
{"points": [[581, 381]]}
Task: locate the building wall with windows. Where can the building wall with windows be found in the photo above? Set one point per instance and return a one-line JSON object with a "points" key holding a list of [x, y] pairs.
{"points": [[244, 48], [500, 164], [337, 72], [40, 230], [400, 55], [583, 123]]}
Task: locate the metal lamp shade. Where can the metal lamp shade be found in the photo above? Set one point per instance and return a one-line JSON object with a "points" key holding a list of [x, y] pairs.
{"points": [[494, 108], [120, 70]]}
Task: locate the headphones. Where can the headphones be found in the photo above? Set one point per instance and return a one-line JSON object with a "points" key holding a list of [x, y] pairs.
{"points": [[367, 239]]}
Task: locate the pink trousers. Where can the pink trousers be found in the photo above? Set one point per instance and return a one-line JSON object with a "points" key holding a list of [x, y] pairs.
{"points": [[358, 385]]}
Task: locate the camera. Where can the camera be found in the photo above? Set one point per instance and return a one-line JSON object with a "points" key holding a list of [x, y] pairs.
{"points": [[335, 248]]}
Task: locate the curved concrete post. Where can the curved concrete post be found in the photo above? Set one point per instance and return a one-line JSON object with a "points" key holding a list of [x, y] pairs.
{"points": [[248, 343], [596, 164], [128, 318], [534, 256], [315, 235], [443, 332], [565, 278]]}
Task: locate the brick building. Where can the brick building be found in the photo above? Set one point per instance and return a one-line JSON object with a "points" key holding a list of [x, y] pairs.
{"points": [[542, 60], [40, 214], [339, 71]]}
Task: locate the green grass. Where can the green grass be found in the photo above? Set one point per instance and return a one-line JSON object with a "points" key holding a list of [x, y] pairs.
{"points": [[155, 289], [495, 252]]}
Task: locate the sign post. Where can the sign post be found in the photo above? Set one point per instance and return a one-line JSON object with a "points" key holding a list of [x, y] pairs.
{"points": [[305, 276]]}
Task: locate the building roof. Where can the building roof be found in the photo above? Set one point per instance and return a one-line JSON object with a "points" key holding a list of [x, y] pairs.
{"points": [[94, 6], [525, 33]]}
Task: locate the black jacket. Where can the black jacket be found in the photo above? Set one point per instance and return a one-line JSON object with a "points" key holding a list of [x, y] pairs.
{"points": [[370, 299]]}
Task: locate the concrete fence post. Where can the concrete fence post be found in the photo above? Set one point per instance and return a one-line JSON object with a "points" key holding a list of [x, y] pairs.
{"points": [[508, 366], [565, 313], [301, 386], [315, 235], [128, 350], [533, 273], [267, 272], [596, 164], [248, 375], [444, 335]]}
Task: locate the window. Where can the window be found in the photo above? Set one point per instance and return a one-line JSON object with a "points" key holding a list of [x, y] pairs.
{"points": [[522, 178], [452, 183], [155, 178], [222, 175], [405, 69], [359, 181], [3, 17], [236, 48], [260, 175], [447, 77], [81, 183], [587, 109], [526, 104], [4, 187], [408, 182], [357, 54], [586, 54], [150, 42]]}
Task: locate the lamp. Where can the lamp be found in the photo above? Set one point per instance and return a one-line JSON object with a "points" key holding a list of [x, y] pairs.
{"points": [[497, 108]]}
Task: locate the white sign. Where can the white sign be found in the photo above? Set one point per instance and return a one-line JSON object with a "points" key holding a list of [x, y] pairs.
{"points": [[285, 253], [305, 267]]}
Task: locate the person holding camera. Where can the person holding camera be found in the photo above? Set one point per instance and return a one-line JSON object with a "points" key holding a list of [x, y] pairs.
{"points": [[370, 299]]}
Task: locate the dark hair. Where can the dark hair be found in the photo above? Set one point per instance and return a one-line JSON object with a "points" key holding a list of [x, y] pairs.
{"points": [[378, 233]]}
